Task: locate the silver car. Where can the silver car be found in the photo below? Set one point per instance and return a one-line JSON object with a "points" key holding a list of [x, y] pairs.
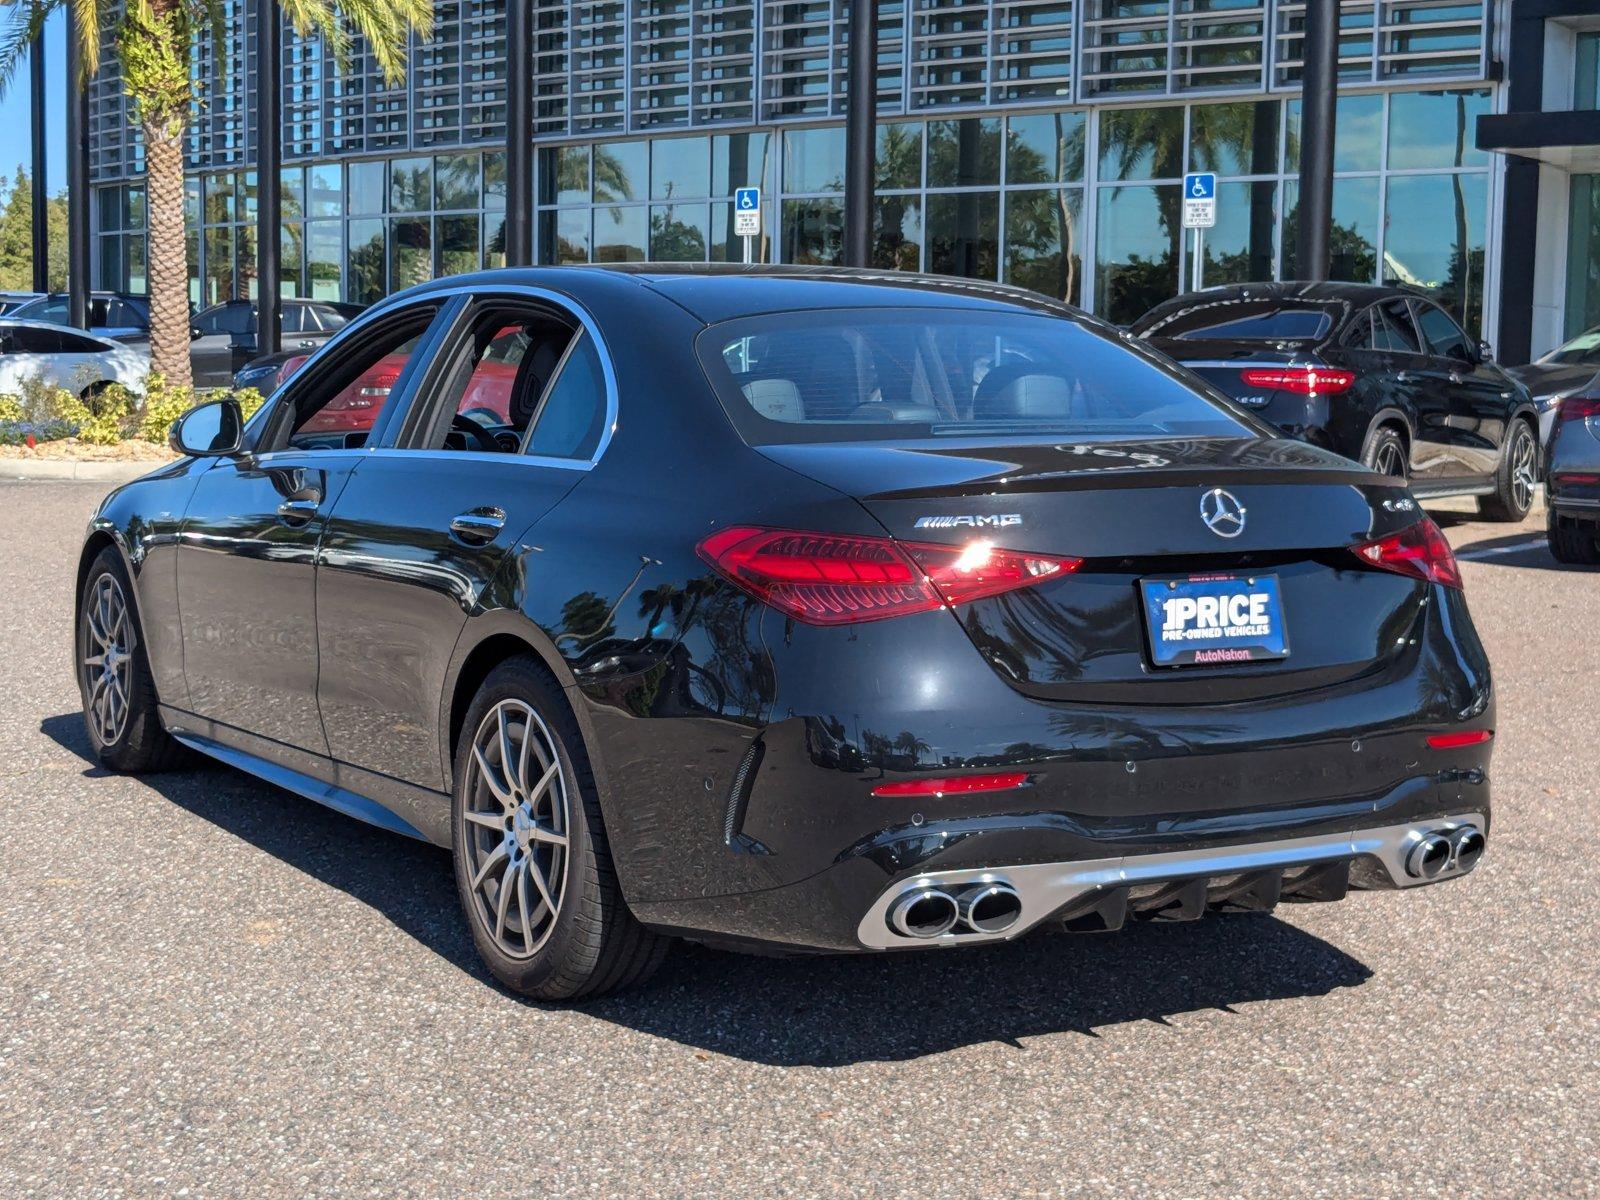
{"points": [[1568, 370], [1573, 483]]}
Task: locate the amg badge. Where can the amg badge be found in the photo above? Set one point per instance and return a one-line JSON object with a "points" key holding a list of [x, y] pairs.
{"points": [[994, 521]]}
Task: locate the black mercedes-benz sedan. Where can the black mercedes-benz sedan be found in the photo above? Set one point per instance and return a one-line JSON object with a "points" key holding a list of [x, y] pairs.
{"points": [[1379, 374], [798, 609]]}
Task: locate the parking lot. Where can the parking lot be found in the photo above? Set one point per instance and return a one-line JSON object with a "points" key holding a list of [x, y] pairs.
{"points": [[212, 987]]}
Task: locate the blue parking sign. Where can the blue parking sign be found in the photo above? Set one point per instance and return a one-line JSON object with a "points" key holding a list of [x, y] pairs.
{"points": [[1200, 185], [747, 199]]}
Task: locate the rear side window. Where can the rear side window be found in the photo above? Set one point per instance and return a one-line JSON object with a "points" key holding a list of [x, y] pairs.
{"points": [[571, 417], [1393, 330], [898, 374]]}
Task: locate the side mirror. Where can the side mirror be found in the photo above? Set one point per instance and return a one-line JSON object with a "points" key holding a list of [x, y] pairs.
{"points": [[208, 431], [194, 333], [1485, 351]]}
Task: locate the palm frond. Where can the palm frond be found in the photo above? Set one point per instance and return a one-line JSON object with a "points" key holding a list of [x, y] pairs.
{"points": [[385, 25], [87, 19], [21, 25]]}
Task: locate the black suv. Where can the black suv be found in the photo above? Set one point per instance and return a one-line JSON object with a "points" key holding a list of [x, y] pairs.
{"points": [[1379, 374]]}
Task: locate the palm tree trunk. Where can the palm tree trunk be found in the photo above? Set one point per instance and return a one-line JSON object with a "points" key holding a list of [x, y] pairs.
{"points": [[169, 265]]}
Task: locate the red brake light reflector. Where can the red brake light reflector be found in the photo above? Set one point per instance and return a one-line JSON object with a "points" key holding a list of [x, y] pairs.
{"points": [[1302, 381], [1418, 550], [836, 579], [1454, 741], [958, 785], [1579, 408]]}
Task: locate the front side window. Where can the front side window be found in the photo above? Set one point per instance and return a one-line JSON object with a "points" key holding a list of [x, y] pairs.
{"points": [[899, 374], [1445, 338], [340, 406]]}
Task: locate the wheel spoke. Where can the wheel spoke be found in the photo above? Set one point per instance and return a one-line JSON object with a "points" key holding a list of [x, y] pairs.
{"points": [[502, 903], [494, 857], [489, 820], [540, 788], [491, 779], [522, 908], [539, 883], [508, 752]]}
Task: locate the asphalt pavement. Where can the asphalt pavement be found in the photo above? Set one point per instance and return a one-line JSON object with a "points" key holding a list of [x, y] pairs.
{"points": [[209, 987]]}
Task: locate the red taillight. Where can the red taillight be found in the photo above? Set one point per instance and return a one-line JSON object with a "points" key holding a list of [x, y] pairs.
{"points": [[1574, 479], [1579, 408], [1418, 550], [957, 785], [1303, 381], [835, 579], [1454, 741]]}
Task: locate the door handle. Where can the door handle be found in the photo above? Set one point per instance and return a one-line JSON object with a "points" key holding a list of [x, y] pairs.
{"points": [[479, 526], [298, 512], [1404, 377]]}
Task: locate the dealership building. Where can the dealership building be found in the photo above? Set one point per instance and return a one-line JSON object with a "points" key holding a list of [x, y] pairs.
{"points": [[1038, 142]]}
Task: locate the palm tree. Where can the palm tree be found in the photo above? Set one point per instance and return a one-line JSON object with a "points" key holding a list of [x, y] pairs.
{"points": [[155, 44]]}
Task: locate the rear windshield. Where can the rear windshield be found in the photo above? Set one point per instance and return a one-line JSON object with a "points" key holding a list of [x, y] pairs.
{"points": [[900, 374], [1259, 320]]}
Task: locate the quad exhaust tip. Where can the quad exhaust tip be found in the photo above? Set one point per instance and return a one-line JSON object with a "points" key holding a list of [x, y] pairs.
{"points": [[1467, 845], [925, 911], [1428, 857]]}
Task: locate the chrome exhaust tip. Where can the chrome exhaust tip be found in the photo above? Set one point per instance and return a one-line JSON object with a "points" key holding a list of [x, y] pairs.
{"points": [[990, 907], [1430, 855], [1467, 845], [923, 912]]}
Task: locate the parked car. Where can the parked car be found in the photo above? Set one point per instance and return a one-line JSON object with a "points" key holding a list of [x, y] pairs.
{"points": [[1573, 522], [1571, 369], [1378, 374], [225, 334], [63, 357], [118, 315], [10, 301], [795, 608]]}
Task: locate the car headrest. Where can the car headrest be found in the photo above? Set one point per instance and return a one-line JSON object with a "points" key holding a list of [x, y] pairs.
{"points": [[1020, 391], [533, 376], [775, 399]]}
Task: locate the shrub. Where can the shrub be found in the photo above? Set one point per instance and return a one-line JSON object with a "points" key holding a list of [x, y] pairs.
{"points": [[101, 420], [16, 433], [11, 410], [162, 406]]}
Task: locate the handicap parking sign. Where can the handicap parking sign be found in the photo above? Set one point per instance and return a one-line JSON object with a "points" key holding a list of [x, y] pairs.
{"points": [[747, 212], [1199, 200]]}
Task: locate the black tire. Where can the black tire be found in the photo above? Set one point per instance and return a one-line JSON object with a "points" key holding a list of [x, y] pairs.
{"points": [[1515, 478], [135, 742], [593, 945], [1385, 453], [1573, 542]]}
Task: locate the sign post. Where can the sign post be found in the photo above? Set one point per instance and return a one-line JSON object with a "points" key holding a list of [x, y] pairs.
{"points": [[1199, 214], [747, 218]]}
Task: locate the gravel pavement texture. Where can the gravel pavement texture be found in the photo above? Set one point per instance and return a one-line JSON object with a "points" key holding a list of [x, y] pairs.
{"points": [[210, 987]]}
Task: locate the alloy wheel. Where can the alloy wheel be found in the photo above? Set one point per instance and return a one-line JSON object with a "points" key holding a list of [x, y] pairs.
{"points": [[107, 660], [1524, 476], [516, 814], [1388, 459]]}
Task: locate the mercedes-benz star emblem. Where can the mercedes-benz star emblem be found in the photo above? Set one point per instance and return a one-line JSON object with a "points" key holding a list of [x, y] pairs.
{"points": [[1222, 513]]}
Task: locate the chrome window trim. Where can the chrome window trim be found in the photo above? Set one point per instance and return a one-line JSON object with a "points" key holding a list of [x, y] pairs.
{"points": [[565, 464]]}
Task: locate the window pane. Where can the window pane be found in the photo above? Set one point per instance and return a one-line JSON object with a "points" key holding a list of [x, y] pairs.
{"points": [[1357, 135], [680, 167], [410, 253], [1583, 255], [494, 182], [290, 253], [813, 232], [136, 209], [366, 187], [1436, 129], [219, 264], [326, 197], [494, 241], [1234, 139], [1435, 240], [964, 235], [366, 261], [738, 160], [813, 160], [458, 245], [1441, 334], [455, 181], [138, 279], [897, 233], [727, 246], [899, 155], [1239, 249], [110, 202], [572, 418], [323, 258], [1039, 224], [1045, 148], [292, 185], [619, 232], [563, 175], [110, 272], [247, 197], [620, 170], [1141, 143], [410, 184], [1136, 250], [219, 208], [1353, 240], [566, 237], [964, 153], [678, 233]]}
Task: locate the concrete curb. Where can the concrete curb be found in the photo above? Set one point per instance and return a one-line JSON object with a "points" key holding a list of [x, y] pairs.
{"points": [[66, 470]]}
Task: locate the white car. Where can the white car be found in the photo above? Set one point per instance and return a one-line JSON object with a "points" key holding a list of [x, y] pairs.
{"points": [[63, 357]]}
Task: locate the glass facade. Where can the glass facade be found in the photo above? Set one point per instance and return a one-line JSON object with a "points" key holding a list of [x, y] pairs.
{"points": [[1039, 142]]}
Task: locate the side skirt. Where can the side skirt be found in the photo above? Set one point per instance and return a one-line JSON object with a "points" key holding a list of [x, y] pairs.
{"points": [[390, 804]]}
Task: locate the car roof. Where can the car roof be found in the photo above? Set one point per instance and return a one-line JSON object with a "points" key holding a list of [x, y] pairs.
{"points": [[1326, 292], [715, 292]]}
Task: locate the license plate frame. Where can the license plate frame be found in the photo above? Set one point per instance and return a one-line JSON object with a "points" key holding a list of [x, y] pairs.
{"points": [[1207, 635]]}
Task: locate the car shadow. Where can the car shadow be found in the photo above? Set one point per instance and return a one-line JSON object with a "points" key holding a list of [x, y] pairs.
{"points": [[1527, 549], [818, 1011]]}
